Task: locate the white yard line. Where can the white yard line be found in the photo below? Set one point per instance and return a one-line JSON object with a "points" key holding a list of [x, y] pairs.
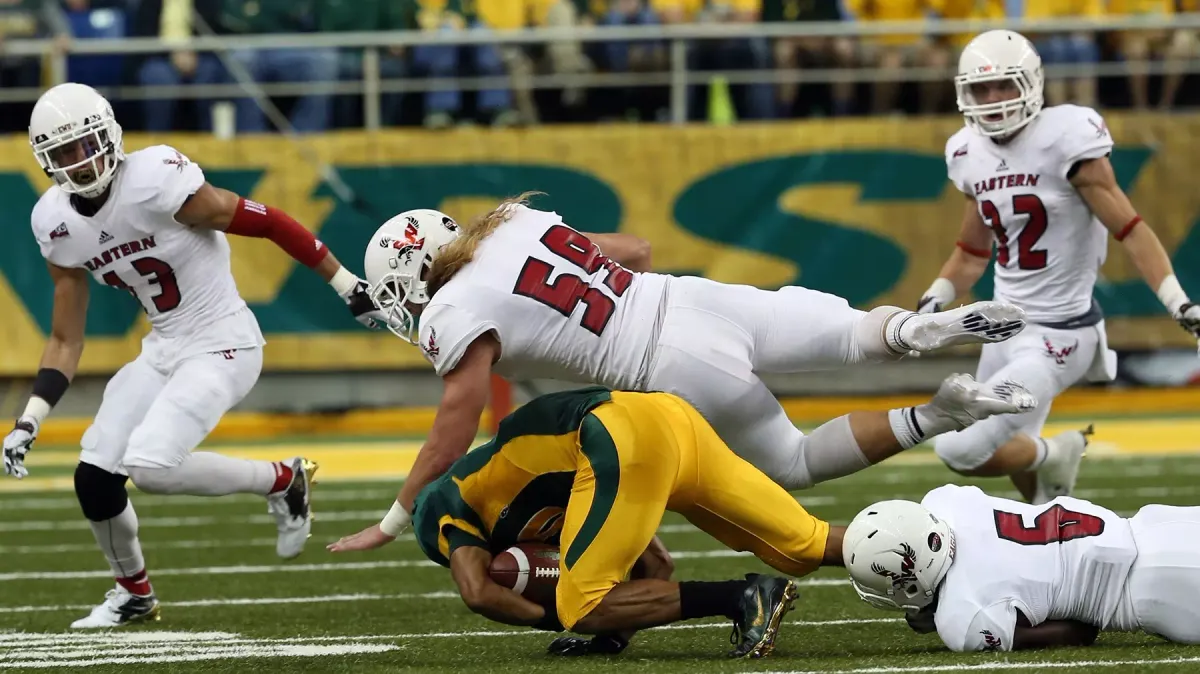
{"points": [[992, 666], [331, 495], [331, 566], [58, 548], [198, 521], [1138, 493]]}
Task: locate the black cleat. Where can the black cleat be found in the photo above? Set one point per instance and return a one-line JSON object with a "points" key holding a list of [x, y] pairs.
{"points": [[763, 606]]}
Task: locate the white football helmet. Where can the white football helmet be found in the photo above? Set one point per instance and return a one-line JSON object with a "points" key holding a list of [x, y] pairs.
{"points": [[897, 553], [1000, 55], [76, 139], [398, 260]]}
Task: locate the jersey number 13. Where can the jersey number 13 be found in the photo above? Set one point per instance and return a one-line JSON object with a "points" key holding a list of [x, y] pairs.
{"points": [[159, 273]]}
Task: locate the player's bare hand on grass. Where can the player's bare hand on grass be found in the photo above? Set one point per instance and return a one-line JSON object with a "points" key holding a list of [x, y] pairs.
{"points": [[367, 539]]}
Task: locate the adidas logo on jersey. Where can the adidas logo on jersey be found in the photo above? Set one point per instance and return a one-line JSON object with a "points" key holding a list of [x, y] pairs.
{"points": [[105, 237], [1002, 167]]}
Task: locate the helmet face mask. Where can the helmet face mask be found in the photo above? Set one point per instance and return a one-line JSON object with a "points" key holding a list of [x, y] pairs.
{"points": [[999, 86], [391, 297], [76, 139]]}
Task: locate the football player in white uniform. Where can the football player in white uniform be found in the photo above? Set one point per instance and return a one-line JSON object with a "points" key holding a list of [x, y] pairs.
{"points": [[991, 574], [521, 293], [1040, 188], [149, 224]]}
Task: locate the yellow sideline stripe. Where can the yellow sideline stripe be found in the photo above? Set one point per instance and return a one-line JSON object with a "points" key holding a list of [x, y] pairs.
{"points": [[241, 426], [393, 459]]}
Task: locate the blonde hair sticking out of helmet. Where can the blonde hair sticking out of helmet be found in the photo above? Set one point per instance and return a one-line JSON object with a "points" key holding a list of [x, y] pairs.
{"points": [[459, 252]]}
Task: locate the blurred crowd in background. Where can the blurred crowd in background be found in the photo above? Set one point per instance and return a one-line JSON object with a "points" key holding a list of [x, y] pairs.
{"points": [[518, 103]]}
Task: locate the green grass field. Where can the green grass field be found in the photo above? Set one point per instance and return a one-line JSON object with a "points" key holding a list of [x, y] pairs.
{"points": [[230, 605]]}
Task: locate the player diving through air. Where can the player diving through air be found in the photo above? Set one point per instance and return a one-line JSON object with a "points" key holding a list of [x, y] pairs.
{"points": [[148, 223], [1040, 189], [521, 293]]}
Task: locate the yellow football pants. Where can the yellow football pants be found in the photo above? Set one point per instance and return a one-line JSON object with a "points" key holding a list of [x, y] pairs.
{"points": [[645, 453]]}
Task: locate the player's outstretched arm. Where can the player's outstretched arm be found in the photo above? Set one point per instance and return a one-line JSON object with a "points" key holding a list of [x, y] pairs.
{"points": [[481, 594], [465, 391], [1097, 185], [627, 250], [464, 396], [214, 208], [966, 264], [60, 359]]}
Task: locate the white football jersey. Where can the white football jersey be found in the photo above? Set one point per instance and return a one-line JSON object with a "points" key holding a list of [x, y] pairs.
{"points": [[180, 275], [1065, 560], [1049, 245], [560, 309]]}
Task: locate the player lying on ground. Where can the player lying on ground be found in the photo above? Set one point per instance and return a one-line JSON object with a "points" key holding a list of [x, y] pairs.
{"points": [[990, 574], [593, 472], [521, 293], [1040, 188], [149, 224]]}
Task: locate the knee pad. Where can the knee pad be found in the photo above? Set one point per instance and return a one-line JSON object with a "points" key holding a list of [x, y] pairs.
{"points": [[101, 494], [869, 335]]}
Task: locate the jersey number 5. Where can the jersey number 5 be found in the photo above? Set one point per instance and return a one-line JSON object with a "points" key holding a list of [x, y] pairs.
{"points": [[568, 290], [158, 272], [1028, 257], [1054, 525]]}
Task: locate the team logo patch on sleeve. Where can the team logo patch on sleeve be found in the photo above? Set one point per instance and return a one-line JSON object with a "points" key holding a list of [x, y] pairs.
{"points": [[1100, 126], [990, 641], [178, 161], [960, 152], [60, 232], [430, 346]]}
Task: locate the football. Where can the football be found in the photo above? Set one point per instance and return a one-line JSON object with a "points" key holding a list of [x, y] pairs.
{"points": [[529, 569]]}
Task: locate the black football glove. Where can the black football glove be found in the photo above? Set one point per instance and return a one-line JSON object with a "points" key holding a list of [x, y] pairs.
{"points": [[929, 305], [1189, 318], [364, 308]]}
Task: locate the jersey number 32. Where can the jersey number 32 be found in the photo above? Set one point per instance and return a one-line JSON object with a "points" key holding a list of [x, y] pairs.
{"points": [[568, 290]]}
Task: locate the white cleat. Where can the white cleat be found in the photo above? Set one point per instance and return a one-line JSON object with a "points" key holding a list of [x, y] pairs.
{"points": [[119, 608], [1064, 453], [977, 323], [966, 401], [293, 515]]}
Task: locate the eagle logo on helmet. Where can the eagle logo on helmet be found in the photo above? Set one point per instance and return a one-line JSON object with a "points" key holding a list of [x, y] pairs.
{"points": [[908, 562]]}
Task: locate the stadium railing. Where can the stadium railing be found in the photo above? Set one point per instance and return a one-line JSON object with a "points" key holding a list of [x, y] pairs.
{"points": [[678, 77]]}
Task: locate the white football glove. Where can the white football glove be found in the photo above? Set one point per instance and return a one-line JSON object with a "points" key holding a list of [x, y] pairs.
{"points": [[940, 294], [1189, 318], [17, 444], [365, 310]]}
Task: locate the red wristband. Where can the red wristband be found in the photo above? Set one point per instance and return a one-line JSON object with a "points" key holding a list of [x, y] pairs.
{"points": [[1120, 236], [971, 250], [263, 222]]}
